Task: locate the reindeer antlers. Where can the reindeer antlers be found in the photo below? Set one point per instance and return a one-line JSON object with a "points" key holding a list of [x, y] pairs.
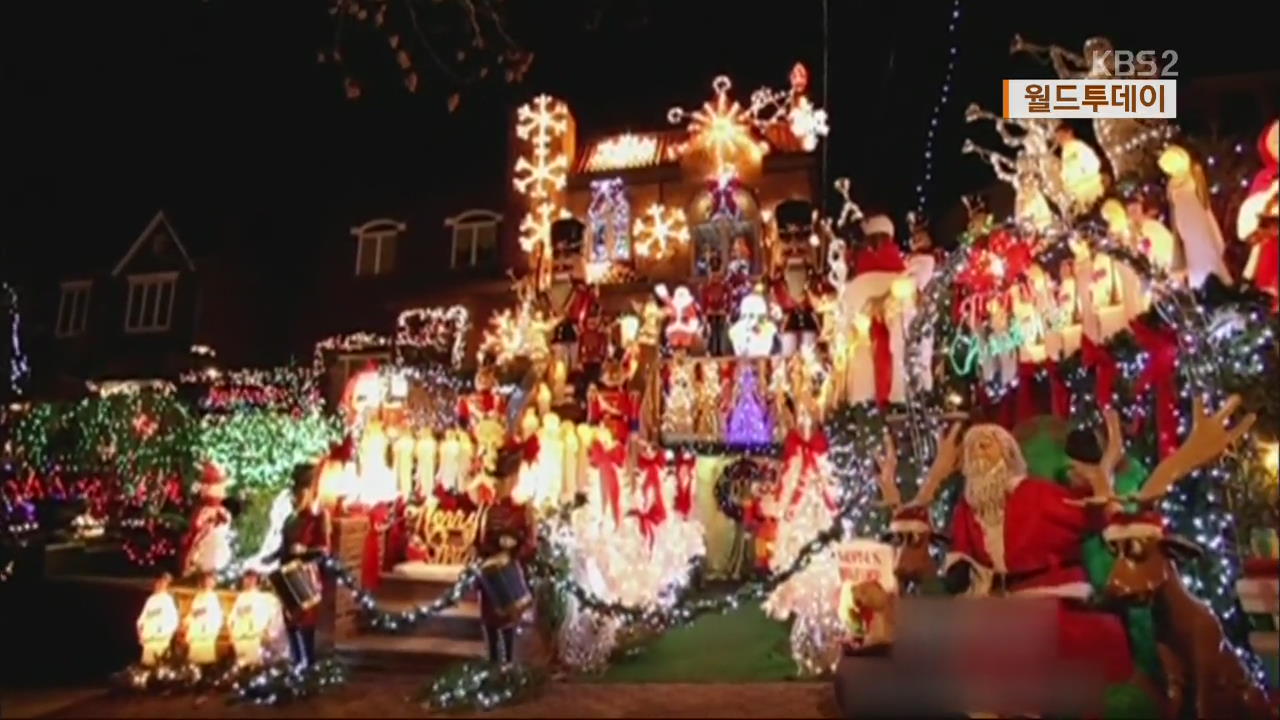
{"points": [[944, 463], [1209, 438]]}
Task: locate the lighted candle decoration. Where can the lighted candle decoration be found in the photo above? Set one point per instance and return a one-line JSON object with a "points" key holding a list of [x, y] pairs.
{"points": [[204, 624], [551, 467], [256, 623], [402, 451], [425, 453], [860, 367], [157, 623]]}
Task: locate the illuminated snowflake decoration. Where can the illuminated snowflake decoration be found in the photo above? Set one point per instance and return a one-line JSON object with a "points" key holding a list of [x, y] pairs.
{"points": [[659, 230], [535, 226], [808, 123], [541, 124]]}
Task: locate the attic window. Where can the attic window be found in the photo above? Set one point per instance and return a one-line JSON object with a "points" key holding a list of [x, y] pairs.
{"points": [[376, 246], [73, 308], [158, 242], [150, 302]]}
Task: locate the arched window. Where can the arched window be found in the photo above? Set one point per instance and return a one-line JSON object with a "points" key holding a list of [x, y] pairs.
{"points": [[376, 246], [475, 239]]}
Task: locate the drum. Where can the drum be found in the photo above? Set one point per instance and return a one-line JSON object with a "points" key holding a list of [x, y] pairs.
{"points": [[298, 585], [505, 590]]}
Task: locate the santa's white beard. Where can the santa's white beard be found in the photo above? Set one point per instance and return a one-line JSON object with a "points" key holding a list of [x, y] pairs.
{"points": [[986, 488]]}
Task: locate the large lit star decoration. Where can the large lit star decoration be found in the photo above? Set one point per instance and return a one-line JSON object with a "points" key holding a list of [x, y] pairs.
{"points": [[721, 129], [659, 230]]}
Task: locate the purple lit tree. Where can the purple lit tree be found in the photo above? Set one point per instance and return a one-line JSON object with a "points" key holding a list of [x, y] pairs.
{"points": [[749, 421]]}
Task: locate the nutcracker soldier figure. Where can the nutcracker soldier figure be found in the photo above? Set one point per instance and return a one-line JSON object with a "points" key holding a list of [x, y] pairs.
{"points": [[715, 303], [507, 539]]}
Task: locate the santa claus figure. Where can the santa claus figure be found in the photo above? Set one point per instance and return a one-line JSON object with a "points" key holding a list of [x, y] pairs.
{"points": [[1018, 535], [684, 327], [208, 542], [1256, 222], [157, 623], [877, 264]]}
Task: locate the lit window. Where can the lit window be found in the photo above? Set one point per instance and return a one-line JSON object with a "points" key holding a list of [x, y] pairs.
{"points": [[475, 239], [376, 246], [150, 302], [609, 221], [73, 308]]}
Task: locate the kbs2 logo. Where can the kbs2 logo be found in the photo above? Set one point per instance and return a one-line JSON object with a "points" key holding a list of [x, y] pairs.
{"points": [[1129, 64]]}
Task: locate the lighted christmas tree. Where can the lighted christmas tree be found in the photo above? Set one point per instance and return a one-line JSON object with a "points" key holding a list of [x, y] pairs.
{"points": [[678, 409], [749, 422]]}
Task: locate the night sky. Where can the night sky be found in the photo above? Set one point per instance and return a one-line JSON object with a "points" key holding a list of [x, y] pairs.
{"points": [[219, 106]]}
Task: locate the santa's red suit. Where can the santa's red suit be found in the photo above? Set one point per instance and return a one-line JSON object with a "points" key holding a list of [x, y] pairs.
{"points": [[1042, 535]]}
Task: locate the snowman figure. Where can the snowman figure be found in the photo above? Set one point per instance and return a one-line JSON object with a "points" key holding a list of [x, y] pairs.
{"points": [[753, 333]]}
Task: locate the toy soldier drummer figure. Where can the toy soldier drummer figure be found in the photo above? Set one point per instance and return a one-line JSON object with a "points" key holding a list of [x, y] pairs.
{"points": [[506, 540], [304, 538]]}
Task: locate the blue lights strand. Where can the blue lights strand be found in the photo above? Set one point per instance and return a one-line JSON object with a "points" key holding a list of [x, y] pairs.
{"points": [[922, 189]]}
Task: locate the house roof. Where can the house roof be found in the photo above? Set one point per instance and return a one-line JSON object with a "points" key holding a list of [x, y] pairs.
{"points": [[158, 220]]}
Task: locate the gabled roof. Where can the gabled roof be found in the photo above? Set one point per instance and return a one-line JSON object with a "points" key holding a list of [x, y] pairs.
{"points": [[156, 221]]}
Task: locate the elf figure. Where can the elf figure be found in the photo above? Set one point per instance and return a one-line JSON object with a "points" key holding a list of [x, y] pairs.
{"points": [[209, 541], [256, 622], [684, 328], [158, 622], [204, 623]]}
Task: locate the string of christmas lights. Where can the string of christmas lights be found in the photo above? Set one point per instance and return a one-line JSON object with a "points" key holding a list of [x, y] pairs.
{"points": [[19, 365], [922, 189]]}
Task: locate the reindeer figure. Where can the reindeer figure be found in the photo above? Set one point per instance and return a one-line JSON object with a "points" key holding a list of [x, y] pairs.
{"points": [[1198, 664], [910, 529]]}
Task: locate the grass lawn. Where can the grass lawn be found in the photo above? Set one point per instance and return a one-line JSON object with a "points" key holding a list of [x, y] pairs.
{"points": [[739, 646]]}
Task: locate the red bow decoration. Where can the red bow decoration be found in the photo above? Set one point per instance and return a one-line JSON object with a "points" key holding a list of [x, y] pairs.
{"points": [[809, 451], [686, 465], [608, 462], [882, 359], [1099, 358], [1161, 374], [651, 465]]}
